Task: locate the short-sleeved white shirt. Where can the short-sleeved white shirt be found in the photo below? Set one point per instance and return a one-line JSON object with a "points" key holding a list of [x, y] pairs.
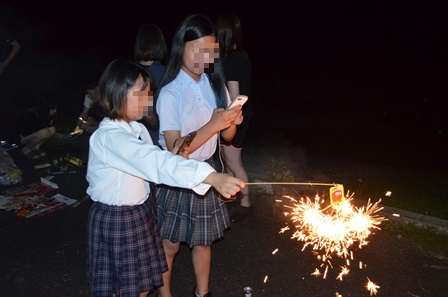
{"points": [[186, 105]]}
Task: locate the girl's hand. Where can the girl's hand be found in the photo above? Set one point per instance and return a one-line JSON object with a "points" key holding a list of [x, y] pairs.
{"points": [[222, 119], [224, 183], [239, 119]]}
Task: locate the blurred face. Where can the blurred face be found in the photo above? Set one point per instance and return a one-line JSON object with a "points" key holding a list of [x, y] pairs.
{"points": [[139, 101], [199, 54]]}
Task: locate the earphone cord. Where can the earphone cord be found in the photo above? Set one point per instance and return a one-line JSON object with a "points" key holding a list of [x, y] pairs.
{"points": [[219, 152]]}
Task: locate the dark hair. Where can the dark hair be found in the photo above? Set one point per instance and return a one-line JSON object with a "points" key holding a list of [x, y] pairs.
{"points": [[115, 82], [150, 44], [194, 27], [48, 104], [229, 33]]}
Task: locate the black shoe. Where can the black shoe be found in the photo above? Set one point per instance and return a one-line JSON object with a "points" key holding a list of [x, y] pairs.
{"points": [[242, 213]]}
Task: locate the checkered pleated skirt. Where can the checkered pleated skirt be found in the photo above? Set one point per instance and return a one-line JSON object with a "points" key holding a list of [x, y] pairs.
{"points": [[184, 216], [125, 253]]}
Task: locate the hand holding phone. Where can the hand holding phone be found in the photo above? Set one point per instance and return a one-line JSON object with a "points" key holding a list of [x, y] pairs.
{"points": [[186, 143], [240, 100]]}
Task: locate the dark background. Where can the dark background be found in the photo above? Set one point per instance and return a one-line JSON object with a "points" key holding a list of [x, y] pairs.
{"points": [[362, 78]]}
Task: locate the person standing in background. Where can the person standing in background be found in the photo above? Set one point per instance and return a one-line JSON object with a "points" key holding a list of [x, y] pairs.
{"points": [[237, 72], [150, 51], [91, 113], [193, 97], [9, 48]]}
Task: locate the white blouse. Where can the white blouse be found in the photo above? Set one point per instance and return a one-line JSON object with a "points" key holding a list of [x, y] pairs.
{"points": [[121, 165], [186, 105]]}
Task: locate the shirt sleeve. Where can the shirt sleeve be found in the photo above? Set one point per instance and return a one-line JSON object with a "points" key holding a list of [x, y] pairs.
{"points": [[169, 110], [144, 160]]}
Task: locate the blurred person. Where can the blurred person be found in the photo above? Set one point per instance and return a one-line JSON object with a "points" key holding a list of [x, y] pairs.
{"points": [[9, 48], [125, 255], [38, 126], [150, 51], [237, 73], [91, 113], [189, 99]]}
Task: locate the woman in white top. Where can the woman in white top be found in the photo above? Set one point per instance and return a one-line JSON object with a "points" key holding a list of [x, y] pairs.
{"points": [[191, 100], [125, 253]]}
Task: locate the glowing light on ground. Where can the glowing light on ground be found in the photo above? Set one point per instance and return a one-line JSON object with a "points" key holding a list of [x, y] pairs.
{"points": [[333, 230]]}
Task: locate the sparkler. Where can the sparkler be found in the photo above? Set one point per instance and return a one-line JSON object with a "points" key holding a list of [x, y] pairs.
{"points": [[331, 230], [334, 228], [292, 183]]}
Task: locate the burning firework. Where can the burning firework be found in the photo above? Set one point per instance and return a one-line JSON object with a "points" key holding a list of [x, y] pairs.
{"points": [[332, 230]]}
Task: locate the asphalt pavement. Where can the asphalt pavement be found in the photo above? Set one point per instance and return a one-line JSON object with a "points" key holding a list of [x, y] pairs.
{"points": [[46, 256]]}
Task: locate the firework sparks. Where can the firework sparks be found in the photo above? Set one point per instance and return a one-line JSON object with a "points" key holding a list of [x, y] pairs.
{"points": [[372, 287], [316, 272], [332, 230], [335, 228], [344, 271], [265, 279]]}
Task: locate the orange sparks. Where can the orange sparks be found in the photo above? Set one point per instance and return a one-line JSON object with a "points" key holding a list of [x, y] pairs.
{"points": [[344, 271], [335, 228], [372, 287]]}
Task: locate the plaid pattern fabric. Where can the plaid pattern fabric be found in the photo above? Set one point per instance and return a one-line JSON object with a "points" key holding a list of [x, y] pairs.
{"points": [[184, 216], [125, 253]]}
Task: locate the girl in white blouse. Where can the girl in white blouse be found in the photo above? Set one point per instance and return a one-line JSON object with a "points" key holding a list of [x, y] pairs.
{"points": [[193, 97]]}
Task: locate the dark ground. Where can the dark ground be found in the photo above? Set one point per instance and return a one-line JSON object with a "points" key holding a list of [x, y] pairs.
{"points": [[46, 256], [329, 111]]}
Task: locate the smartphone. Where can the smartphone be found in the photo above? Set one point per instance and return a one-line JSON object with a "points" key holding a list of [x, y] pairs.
{"points": [[187, 142], [240, 100]]}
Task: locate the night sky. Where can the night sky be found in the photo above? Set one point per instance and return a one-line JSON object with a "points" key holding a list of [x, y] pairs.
{"points": [[368, 56], [356, 50]]}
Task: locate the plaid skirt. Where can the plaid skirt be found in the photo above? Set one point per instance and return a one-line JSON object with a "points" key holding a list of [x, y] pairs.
{"points": [[184, 216], [125, 252]]}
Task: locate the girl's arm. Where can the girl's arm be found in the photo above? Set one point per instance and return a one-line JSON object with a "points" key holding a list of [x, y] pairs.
{"points": [[222, 120], [224, 183], [234, 88]]}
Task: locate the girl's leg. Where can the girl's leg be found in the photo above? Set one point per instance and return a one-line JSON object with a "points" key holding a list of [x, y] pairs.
{"points": [[34, 141], [46, 134], [171, 249], [28, 142], [232, 157], [201, 257]]}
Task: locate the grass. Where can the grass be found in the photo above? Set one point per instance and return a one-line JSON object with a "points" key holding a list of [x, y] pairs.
{"points": [[422, 193], [430, 241]]}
